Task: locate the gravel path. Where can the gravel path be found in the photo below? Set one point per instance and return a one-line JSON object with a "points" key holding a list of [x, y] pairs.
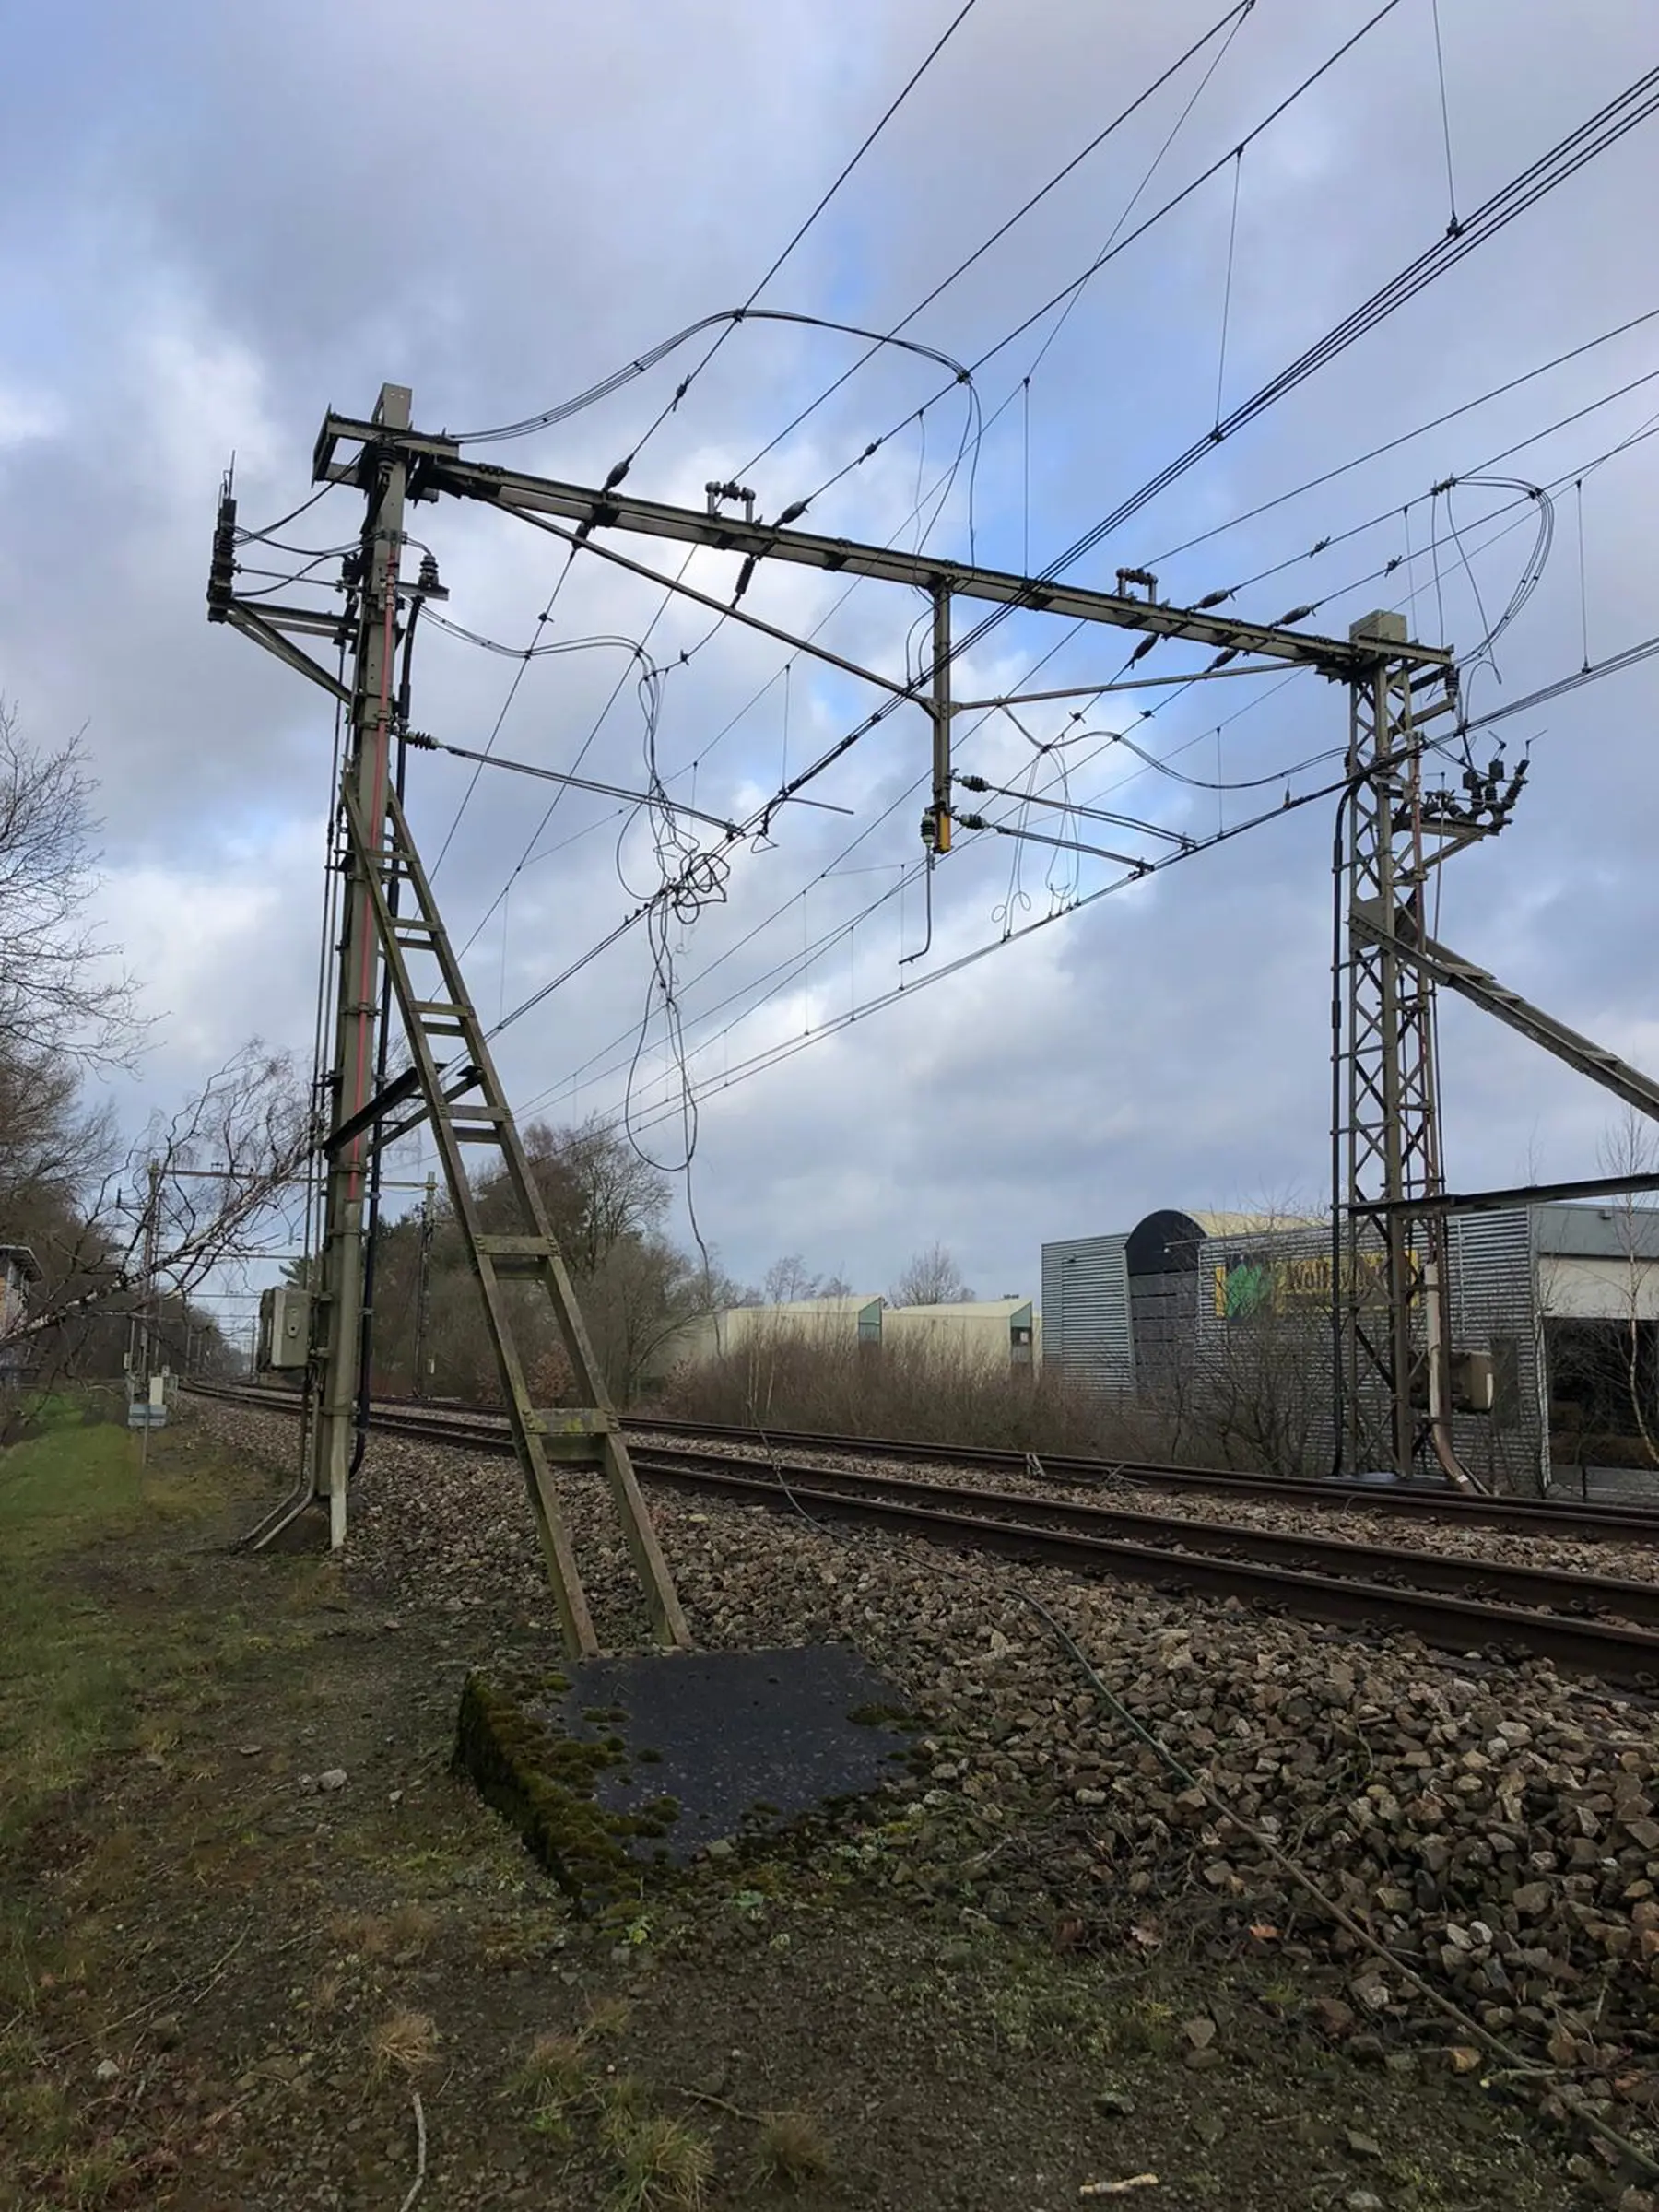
{"points": [[1492, 1823]]}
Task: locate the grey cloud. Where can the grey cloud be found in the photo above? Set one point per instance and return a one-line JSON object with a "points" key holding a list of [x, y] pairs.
{"points": [[232, 220]]}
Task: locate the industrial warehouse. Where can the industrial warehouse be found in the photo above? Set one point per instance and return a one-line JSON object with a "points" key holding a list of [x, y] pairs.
{"points": [[987, 1333], [1554, 1313]]}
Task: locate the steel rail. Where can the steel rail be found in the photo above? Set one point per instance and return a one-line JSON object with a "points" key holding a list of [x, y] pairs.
{"points": [[1622, 1596], [1584, 1521], [1435, 1501], [1242, 1563]]}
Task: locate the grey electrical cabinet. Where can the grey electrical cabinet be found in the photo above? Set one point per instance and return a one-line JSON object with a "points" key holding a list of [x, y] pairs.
{"points": [[283, 1326]]}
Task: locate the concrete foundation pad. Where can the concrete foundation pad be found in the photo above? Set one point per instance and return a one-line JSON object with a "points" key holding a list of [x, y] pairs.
{"points": [[648, 1760]]}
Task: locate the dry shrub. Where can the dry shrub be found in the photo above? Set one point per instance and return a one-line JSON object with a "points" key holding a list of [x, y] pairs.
{"points": [[914, 1391], [663, 2166], [606, 2015], [624, 2103], [1255, 1397], [361, 1933], [404, 2043], [557, 2067], [791, 2150], [556, 2077], [411, 1928]]}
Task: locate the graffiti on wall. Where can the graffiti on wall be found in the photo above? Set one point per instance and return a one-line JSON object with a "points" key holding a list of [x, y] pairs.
{"points": [[1246, 1285]]}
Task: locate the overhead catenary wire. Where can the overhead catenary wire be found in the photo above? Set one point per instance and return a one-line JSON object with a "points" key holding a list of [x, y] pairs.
{"points": [[1051, 338], [1275, 777], [1232, 241], [1595, 136], [773, 1055], [1563, 160], [803, 642], [730, 318], [1282, 106], [1452, 225], [555, 775], [1609, 123], [1233, 16], [1583, 468], [841, 746], [667, 601], [1116, 245], [959, 375], [1616, 663]]}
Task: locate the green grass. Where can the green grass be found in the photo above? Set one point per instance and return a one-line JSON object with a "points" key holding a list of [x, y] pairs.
{"points": [[103, 1648], [68, 1661], [82, 1670]]}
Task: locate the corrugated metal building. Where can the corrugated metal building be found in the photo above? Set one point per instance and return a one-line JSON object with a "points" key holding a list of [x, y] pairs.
{"points": [[988, 1333], [991, 1331], [1564, 1299], [1086, 1325], [828, 1321]]}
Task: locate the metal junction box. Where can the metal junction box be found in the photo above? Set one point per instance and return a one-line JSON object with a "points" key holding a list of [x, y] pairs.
{"points": [[283, 1326]]}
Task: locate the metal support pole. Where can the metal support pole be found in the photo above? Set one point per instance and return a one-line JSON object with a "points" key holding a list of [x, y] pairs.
{"points": [[939, 707], [1387, 1267], [337, 1324], [147, 1333], [428, 1213]]}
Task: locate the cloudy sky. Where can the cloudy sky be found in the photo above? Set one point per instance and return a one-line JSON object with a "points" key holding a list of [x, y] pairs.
{"points": [[215, 222]]}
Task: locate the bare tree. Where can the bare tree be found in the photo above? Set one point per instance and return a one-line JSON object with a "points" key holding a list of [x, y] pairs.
{"points": [[1631, 1148], [789, 1281], [602, 1191], [49, 1147], [644, 1296], [637, 1291], [931, 1278], [193, 1193], [57, 995]]}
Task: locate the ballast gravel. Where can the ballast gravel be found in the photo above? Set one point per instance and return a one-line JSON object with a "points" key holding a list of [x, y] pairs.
{"points": [[1492, 1823]]}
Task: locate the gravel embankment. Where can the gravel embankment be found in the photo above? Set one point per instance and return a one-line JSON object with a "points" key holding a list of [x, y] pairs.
{"points": [[1492, 1823], [1356, 1524]]}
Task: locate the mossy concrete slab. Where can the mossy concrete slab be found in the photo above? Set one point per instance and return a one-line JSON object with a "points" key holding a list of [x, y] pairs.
{"points": [[743, 1742], [653, 1758]]}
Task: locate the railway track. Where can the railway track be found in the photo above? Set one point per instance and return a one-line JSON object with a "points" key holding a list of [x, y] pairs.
{"points": [[1601, 1624], [1535, 1516], [1427, 1501]]}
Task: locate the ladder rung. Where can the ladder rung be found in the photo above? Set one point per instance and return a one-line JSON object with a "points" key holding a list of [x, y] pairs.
{"points": [[444, 1008], [514, 1255], [574, 1434]]}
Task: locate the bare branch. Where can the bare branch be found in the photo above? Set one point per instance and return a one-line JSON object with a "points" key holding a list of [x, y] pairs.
{"points": [[229, 1165], [932, 1278], [57, 994]]}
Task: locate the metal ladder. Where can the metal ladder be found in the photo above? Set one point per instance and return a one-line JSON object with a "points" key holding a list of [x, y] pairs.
{"points": [[442, 1028]]}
